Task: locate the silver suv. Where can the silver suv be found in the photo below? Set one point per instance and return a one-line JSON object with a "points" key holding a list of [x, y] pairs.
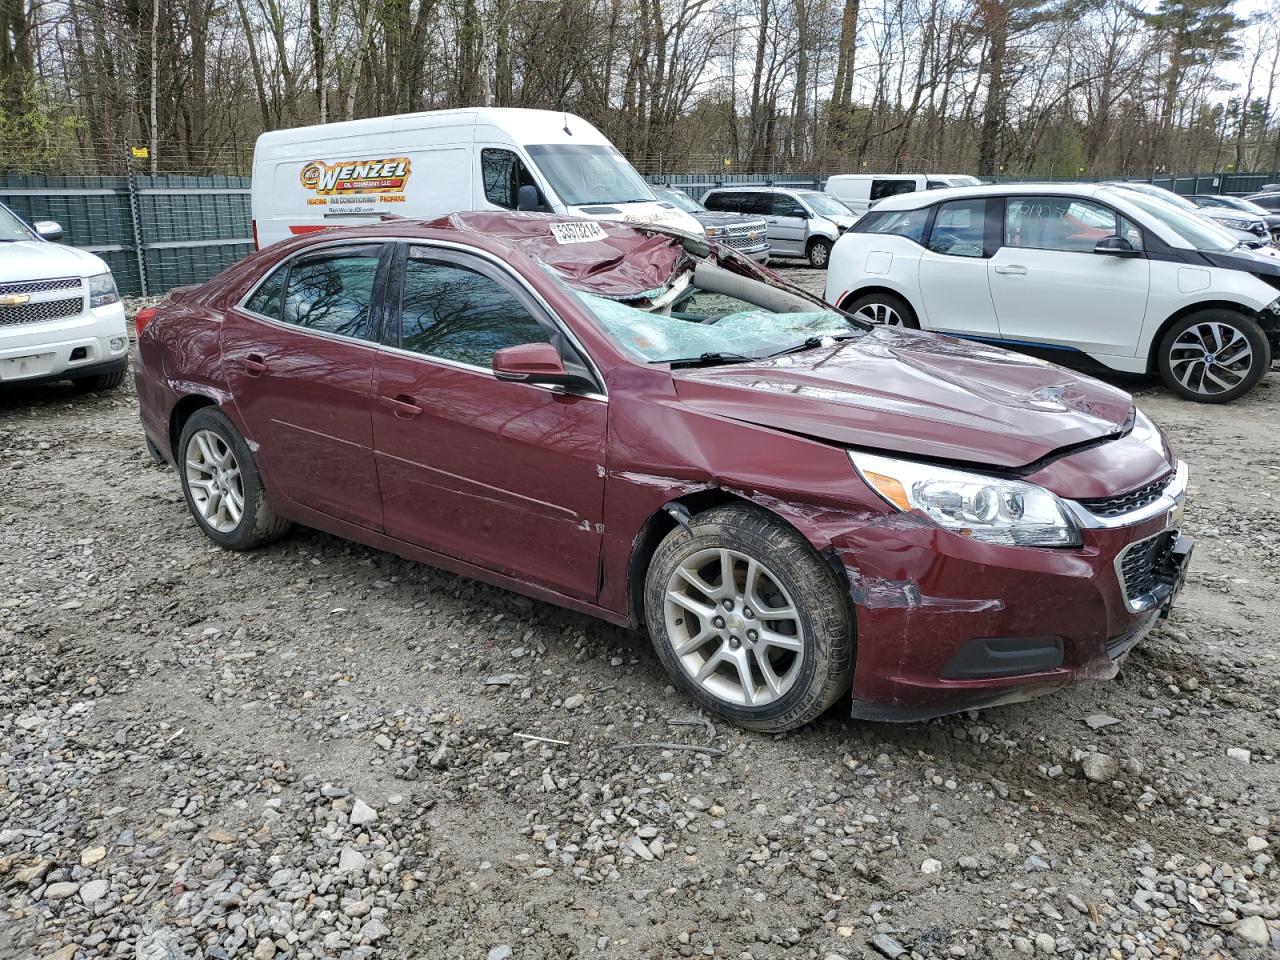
{"points": [[802, 223]]}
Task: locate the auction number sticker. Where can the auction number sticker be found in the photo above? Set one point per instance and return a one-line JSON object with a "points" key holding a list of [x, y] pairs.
{"points": [[578, 231]]}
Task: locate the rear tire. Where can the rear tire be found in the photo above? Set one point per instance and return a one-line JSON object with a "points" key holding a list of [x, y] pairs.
{"points": [[884, 309], [221, 484], [1214, 355], [101, 381], [719, 642], [819, 253]]}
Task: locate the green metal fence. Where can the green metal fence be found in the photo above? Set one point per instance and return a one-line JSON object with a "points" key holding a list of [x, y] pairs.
{"points": [[154, 232]]}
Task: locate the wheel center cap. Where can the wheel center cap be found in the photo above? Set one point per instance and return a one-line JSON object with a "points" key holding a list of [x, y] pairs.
{"points": [[735, 623]]}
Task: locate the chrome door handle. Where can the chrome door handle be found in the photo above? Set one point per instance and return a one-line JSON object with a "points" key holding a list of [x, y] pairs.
{"points": [[1012, 270]]}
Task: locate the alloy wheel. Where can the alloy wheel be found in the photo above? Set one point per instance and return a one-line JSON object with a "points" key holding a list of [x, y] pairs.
{"points": [[1210, 358], [734, 627], [880, 313], [213, 477]]}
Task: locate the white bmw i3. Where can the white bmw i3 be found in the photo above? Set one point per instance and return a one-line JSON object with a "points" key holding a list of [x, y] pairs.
{"points": [[1065, 270]]}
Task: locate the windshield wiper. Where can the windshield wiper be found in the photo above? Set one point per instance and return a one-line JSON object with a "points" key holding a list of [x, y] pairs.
{"points": [[811, 343], [708, 359]]}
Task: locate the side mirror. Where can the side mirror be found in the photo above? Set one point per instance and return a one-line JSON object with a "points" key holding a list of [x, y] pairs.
{"points": [[47, 230], [1115, 247], [527, 199], [800, 212], [532, 363]]}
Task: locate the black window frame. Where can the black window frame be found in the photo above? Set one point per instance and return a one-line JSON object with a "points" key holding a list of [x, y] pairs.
{"points": [[573, 356]]}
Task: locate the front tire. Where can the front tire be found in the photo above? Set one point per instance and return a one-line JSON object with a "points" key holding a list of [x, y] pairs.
{"points": [[748, 620], [819, 253], [884, 309], [101, 381], [1214, 355], [221, 483]]}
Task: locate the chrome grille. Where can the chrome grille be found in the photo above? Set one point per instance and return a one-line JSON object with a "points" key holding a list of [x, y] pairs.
{"points": [[41, 286], [40, 311], [1143, 567], [1123, 503]]}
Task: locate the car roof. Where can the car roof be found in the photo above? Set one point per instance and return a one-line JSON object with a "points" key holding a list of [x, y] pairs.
{"points": [[761, 188], [926, 198], [621, 260]]}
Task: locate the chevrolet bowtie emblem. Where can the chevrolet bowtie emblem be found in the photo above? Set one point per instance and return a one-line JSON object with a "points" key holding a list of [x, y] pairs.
{"points": [[14, 299]]}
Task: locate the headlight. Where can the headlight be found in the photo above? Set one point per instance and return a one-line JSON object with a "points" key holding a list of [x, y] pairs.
{"points": [[102, 290], [1150, 434], [717, 231], [1236, 224], [991, 509]]}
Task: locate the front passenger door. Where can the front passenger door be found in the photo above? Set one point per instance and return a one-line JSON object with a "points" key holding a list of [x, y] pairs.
{"points": [[505, 476]]}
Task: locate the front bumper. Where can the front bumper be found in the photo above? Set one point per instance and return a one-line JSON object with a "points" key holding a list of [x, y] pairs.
{"points": [[92, 342], [946, 624]]}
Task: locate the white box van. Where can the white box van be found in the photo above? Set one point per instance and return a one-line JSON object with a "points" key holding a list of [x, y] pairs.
{"points": [[860, 190], [426, 165]]}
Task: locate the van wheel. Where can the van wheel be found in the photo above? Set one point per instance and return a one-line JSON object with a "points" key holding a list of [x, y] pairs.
{"points": [[885, 309], [1214, 355], [748, 620], [819, 253]]}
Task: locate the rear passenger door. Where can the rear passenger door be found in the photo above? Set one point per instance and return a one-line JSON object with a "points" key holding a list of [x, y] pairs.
{"points": [[506, 476], [954, 289], [298, 356]]}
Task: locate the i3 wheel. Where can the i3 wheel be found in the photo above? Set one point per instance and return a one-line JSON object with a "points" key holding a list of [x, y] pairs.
{"points": [[1214, 355], [748, 620], [819, 253], [221, 483], [884, 309]]}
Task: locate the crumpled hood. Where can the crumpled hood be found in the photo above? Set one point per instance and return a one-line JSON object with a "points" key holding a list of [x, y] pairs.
{"points": [[41, 260], [918, 394]]}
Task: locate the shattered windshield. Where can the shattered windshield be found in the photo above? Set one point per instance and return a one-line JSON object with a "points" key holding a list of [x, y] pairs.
{"points": [[692, 322]]}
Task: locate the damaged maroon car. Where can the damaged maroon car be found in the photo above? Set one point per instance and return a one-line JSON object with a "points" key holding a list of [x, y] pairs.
{"points": [[652, 430]]}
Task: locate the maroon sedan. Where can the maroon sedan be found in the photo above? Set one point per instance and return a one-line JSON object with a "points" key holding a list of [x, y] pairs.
{"points": [[643, 427]]}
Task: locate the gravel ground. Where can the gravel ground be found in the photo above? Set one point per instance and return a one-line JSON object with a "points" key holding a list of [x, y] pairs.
{"points": [[320, 750]]}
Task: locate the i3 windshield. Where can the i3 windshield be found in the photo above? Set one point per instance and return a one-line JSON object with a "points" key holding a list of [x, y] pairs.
{"points": [[1192, 227], [583, 174]]}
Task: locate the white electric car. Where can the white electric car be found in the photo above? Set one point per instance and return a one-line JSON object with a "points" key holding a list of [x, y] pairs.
{"points": [[1130, 281], [60, 314]]}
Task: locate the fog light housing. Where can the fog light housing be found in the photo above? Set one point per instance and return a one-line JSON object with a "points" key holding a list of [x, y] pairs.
{"points": [[117, 344]]}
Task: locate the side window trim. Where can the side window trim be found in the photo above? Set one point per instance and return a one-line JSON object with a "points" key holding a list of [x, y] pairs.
{"points": [[570, 350]]}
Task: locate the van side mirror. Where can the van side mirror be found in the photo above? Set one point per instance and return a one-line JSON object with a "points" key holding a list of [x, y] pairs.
{"points": [[1115, 247], [47, 230], [532, 363], [527, 198]]}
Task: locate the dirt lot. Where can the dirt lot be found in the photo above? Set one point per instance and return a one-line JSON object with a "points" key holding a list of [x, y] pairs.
{"points": [[319, 750]]}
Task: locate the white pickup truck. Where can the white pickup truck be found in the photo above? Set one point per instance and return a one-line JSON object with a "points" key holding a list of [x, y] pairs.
{"points": [[60, 313]]}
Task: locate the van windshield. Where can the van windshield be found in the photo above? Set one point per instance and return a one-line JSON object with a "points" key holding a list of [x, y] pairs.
{"points": [[825, 204], [584, 174]]}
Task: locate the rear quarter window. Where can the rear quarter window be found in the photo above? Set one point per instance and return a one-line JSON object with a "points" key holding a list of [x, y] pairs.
{"points": [[897, 223]]}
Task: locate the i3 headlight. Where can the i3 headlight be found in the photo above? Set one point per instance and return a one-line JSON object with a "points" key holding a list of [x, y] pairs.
{"points": [[990, 509], [102, 290]]}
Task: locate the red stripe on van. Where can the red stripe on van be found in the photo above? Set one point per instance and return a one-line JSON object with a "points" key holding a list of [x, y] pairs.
{"points": [[309, 228]]}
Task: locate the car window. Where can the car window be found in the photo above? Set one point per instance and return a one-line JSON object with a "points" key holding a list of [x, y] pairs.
{"points": [[266, 299], [959, 228], [1271, 202], [725, 202], [785, 205], [332, 293], [898, 223], [891, 188], [454, 312], [1058, 223], [503, 175]]}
